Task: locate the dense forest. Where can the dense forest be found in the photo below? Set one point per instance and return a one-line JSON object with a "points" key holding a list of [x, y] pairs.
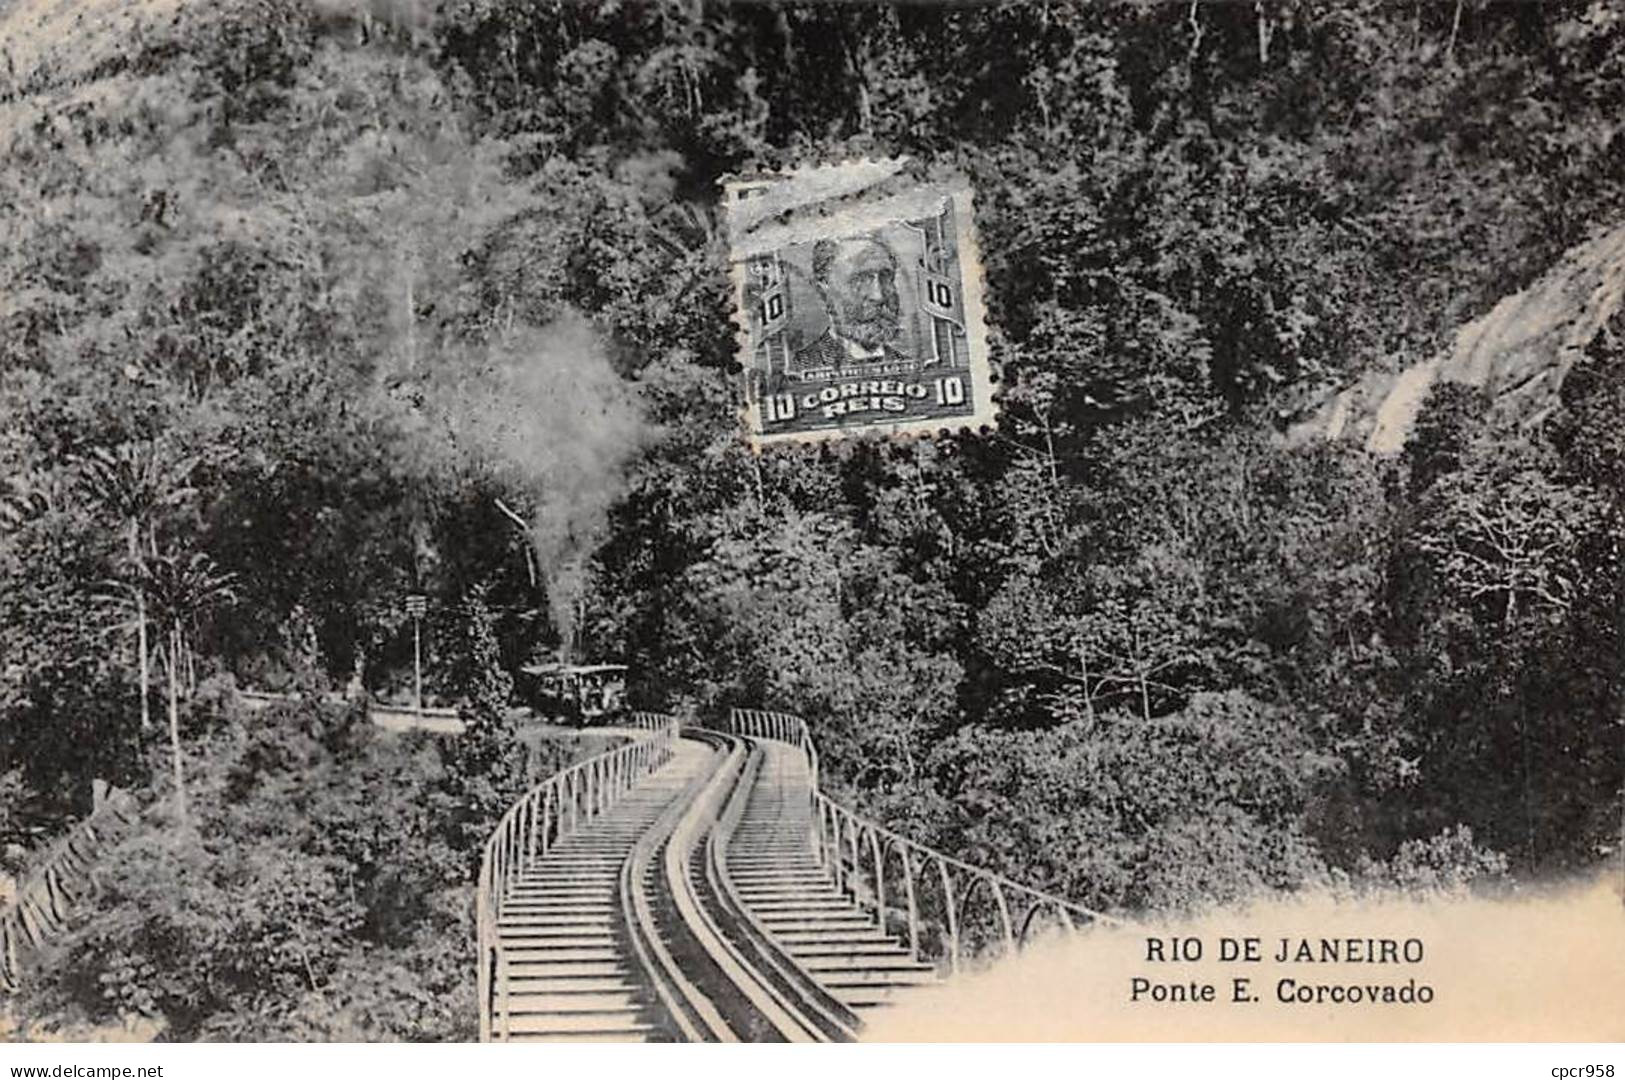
{"points": [[306, 305]]}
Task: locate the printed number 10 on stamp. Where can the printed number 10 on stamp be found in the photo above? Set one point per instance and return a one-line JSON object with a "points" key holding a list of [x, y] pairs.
{"points": [[859, 304]]}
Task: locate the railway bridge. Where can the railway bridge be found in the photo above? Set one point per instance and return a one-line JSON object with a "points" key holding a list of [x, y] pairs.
{"points": [[697, 885]]}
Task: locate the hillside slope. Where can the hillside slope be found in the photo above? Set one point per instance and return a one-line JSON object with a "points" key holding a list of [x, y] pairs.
{"points": [[1519, 353]]}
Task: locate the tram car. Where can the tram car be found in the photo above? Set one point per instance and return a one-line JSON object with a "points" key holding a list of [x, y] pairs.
{"points": [[576, 693]]}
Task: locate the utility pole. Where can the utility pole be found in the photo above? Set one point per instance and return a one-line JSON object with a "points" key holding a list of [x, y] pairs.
{"points": [[416, 605]]}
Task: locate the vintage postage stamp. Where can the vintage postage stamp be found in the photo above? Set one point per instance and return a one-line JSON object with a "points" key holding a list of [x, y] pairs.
{"points": [[858, 293]]}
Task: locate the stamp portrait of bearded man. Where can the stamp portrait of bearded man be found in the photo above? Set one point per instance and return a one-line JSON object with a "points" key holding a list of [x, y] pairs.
{"points": [[857, 278]]}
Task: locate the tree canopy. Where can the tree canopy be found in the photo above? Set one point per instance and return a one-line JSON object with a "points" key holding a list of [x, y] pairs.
{"points": [[340, 302]]}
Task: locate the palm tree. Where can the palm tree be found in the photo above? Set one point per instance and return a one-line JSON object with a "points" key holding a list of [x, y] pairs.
{"points": [[183, 588], [132, 482]]}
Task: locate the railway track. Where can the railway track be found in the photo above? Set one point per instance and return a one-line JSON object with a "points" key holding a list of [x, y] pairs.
{"points": [[570, 967], [778, 877], [696, 886]]}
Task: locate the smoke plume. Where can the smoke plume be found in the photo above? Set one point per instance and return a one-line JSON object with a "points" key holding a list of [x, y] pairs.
{"points": [[545, 406]]}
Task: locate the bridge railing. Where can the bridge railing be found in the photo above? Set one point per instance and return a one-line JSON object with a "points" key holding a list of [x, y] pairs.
{"points": [[948, 909], [782, 727], [542, 817], [40, 908], [646, 721]]}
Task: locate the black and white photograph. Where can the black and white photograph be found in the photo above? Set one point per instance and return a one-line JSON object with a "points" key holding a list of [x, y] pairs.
{"points": [[739, 521]]}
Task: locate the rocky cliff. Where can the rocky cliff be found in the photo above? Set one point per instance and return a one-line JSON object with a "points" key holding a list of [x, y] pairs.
{"points": [[1518, 353]]}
